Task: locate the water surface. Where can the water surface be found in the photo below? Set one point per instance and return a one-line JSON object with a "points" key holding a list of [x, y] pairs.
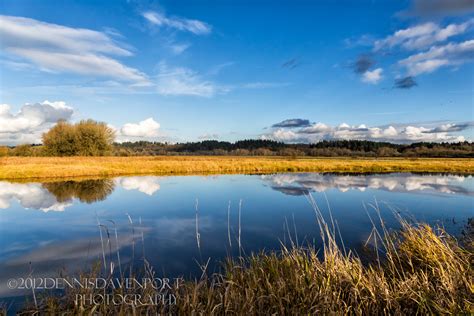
{"points": [[49, 227]]}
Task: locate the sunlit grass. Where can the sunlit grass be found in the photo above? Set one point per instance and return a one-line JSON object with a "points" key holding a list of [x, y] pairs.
{"points": [[424, 272], [61, 167]]}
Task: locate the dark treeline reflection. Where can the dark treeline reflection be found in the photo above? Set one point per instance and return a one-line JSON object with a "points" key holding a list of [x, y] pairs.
{"points": [[88, 191]]}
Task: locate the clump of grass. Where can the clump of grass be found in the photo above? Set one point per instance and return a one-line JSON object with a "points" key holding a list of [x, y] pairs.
{"points": [[423, 272]]}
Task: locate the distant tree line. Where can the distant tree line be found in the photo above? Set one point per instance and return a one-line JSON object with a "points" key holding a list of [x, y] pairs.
{"points": [[91, 138], [334, 148]]}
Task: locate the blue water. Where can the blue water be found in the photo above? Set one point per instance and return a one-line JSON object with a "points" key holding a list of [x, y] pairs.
{"points": [[50, 227]]}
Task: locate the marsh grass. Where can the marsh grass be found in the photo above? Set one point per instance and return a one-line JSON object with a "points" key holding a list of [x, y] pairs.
{"points": [[69, 167], [417, 270], [421, 270]]}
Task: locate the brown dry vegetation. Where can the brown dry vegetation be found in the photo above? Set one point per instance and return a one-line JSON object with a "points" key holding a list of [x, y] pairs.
{"points": [[67, 167]]}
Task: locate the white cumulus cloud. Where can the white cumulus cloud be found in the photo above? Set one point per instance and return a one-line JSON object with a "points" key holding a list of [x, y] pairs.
{"points": [[27, 124], [372, 76], [146, 128]]}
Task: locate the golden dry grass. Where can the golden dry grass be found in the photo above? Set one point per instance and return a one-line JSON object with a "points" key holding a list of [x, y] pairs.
{"points": [[62, 167]]}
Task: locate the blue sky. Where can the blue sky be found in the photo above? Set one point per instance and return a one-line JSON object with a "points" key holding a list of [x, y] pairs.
{"points": [[397, 71]]}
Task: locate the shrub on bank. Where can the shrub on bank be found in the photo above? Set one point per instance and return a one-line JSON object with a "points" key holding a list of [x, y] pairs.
{"points": [[86, 138]]}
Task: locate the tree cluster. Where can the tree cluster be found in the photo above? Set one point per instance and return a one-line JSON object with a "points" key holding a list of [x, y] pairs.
{"points": [[86, 138]]}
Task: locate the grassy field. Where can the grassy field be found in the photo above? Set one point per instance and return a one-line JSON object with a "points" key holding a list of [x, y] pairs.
{"points": [[64, 167]]}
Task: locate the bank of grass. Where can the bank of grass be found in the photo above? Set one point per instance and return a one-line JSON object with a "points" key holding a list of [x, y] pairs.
{"points": [[63, 167], [420, 270], [424, 272]]}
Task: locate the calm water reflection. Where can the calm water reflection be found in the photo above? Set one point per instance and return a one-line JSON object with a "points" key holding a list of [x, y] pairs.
{"points": [[54, 225]]}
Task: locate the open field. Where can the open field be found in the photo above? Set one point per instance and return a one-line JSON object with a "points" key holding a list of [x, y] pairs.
{"points": [[63, 167]]}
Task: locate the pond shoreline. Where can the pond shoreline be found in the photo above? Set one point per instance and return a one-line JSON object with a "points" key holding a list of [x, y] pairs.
{"points": [[22, 168]]}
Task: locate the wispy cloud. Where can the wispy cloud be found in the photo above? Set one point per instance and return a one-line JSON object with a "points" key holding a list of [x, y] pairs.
{"points": [[208, 136], [183, 81], [264, 85], [422, 35], [452, 54], [22, 32], [451, 127], [17, 66], [217, 69], [182, 24], [428, 48], [84, 64], [179, 48], [57, 48], [364, 40]]}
